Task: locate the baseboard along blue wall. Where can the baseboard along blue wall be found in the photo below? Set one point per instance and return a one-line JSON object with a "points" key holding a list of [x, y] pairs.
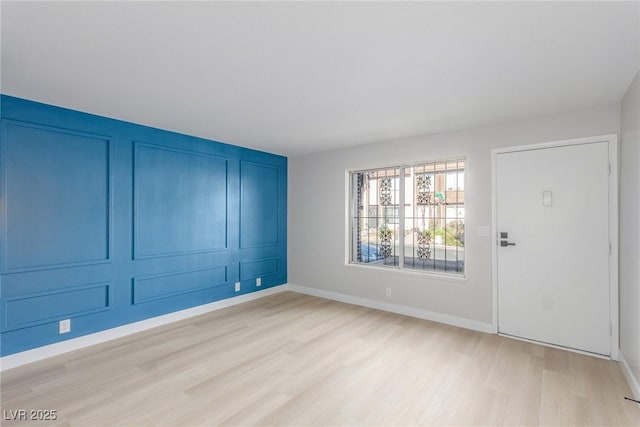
{"points": [[106, 222]]}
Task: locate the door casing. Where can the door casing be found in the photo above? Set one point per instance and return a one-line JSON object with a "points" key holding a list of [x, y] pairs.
{"points": [[612, 140]]}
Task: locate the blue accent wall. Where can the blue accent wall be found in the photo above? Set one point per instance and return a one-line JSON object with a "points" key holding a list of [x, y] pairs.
{"points": [[108, 222]]}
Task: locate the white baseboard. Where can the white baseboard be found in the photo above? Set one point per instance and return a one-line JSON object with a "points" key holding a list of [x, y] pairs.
{"points": [[634, 383], [396, 308], [44, 352]]}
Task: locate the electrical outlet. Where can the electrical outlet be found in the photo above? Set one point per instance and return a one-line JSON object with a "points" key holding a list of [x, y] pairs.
{"points": [[387, 292], [237, 286], [64, 326], [258, 281]]}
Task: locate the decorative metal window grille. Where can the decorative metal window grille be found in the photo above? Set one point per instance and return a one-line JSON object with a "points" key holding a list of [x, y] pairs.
{"points": [[423, 196], [385, 191], [409, 217], [424, 244], [385, 242]]}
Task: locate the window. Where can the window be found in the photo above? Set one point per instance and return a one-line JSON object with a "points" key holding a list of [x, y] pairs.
{"points": [[409, 217]]}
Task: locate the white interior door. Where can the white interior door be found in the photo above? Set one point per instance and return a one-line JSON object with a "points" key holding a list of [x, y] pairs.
{"points": [[553, 277]]}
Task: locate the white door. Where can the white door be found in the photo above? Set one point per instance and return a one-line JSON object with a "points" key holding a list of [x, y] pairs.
{"points": [[553, 275]]}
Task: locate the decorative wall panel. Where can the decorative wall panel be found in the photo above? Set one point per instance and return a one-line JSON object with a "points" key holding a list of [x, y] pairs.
{"points": [[180, 202], [41, 308], [258, 268], [258, 205], [151, 219], [172, 284], [57, 196]]}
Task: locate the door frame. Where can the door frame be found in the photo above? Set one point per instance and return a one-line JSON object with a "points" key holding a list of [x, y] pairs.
{"points": [[612, 141]]}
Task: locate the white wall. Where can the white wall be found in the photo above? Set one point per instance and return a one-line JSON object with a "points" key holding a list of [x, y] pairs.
{"points": [[317, 211], [630, 233]]}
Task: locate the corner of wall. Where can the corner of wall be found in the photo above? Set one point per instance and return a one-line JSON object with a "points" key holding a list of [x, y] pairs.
{"points": [[634, 383], [629, 298]]}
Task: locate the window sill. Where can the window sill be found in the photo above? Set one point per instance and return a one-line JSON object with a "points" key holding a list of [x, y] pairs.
{"points": [[409, 272]]}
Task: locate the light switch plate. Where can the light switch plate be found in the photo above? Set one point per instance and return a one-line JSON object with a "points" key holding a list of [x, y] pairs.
{"points": [[483, 231]]}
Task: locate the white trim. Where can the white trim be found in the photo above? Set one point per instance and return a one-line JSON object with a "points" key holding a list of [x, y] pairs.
{"points": [[454, 277], [401, 214], [612, 140], [383, 165], [40, 353], [634, 383], [350, 208], [559, 347], [614, 302], [447, 319], [347, 216], [493, 234]]}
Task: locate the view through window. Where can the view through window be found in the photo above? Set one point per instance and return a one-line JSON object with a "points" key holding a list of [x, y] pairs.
{"points": [[409, 217]]}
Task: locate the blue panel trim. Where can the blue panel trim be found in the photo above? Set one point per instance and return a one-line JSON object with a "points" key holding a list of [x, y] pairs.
{"points": [[160, 286], [74, 256], [259, 268], [147, 243], [45, 307], [62, 244], [259, 221]]}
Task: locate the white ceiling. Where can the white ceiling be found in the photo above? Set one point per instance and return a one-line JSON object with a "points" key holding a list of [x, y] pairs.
{"points": [[293, 78]]}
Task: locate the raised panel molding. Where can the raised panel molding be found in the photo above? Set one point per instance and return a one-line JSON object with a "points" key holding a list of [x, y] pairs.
{"points": [[259, 205], [161, 286], [182, 210], [259, 268], [57, 187], [46, 307], [108, 223]]}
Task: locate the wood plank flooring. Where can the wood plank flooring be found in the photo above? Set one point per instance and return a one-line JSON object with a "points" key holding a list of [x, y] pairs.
{"points": [[295, 360]]}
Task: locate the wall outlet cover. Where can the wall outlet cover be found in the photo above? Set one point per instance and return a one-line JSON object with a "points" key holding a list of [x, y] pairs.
{"points": [[64, 326]]}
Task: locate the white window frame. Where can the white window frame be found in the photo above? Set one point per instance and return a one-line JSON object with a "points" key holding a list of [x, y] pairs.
{"points": [[350, 231]]}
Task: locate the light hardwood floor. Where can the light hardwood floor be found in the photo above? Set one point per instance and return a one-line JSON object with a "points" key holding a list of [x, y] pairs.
{"points": [[291, 359]]}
